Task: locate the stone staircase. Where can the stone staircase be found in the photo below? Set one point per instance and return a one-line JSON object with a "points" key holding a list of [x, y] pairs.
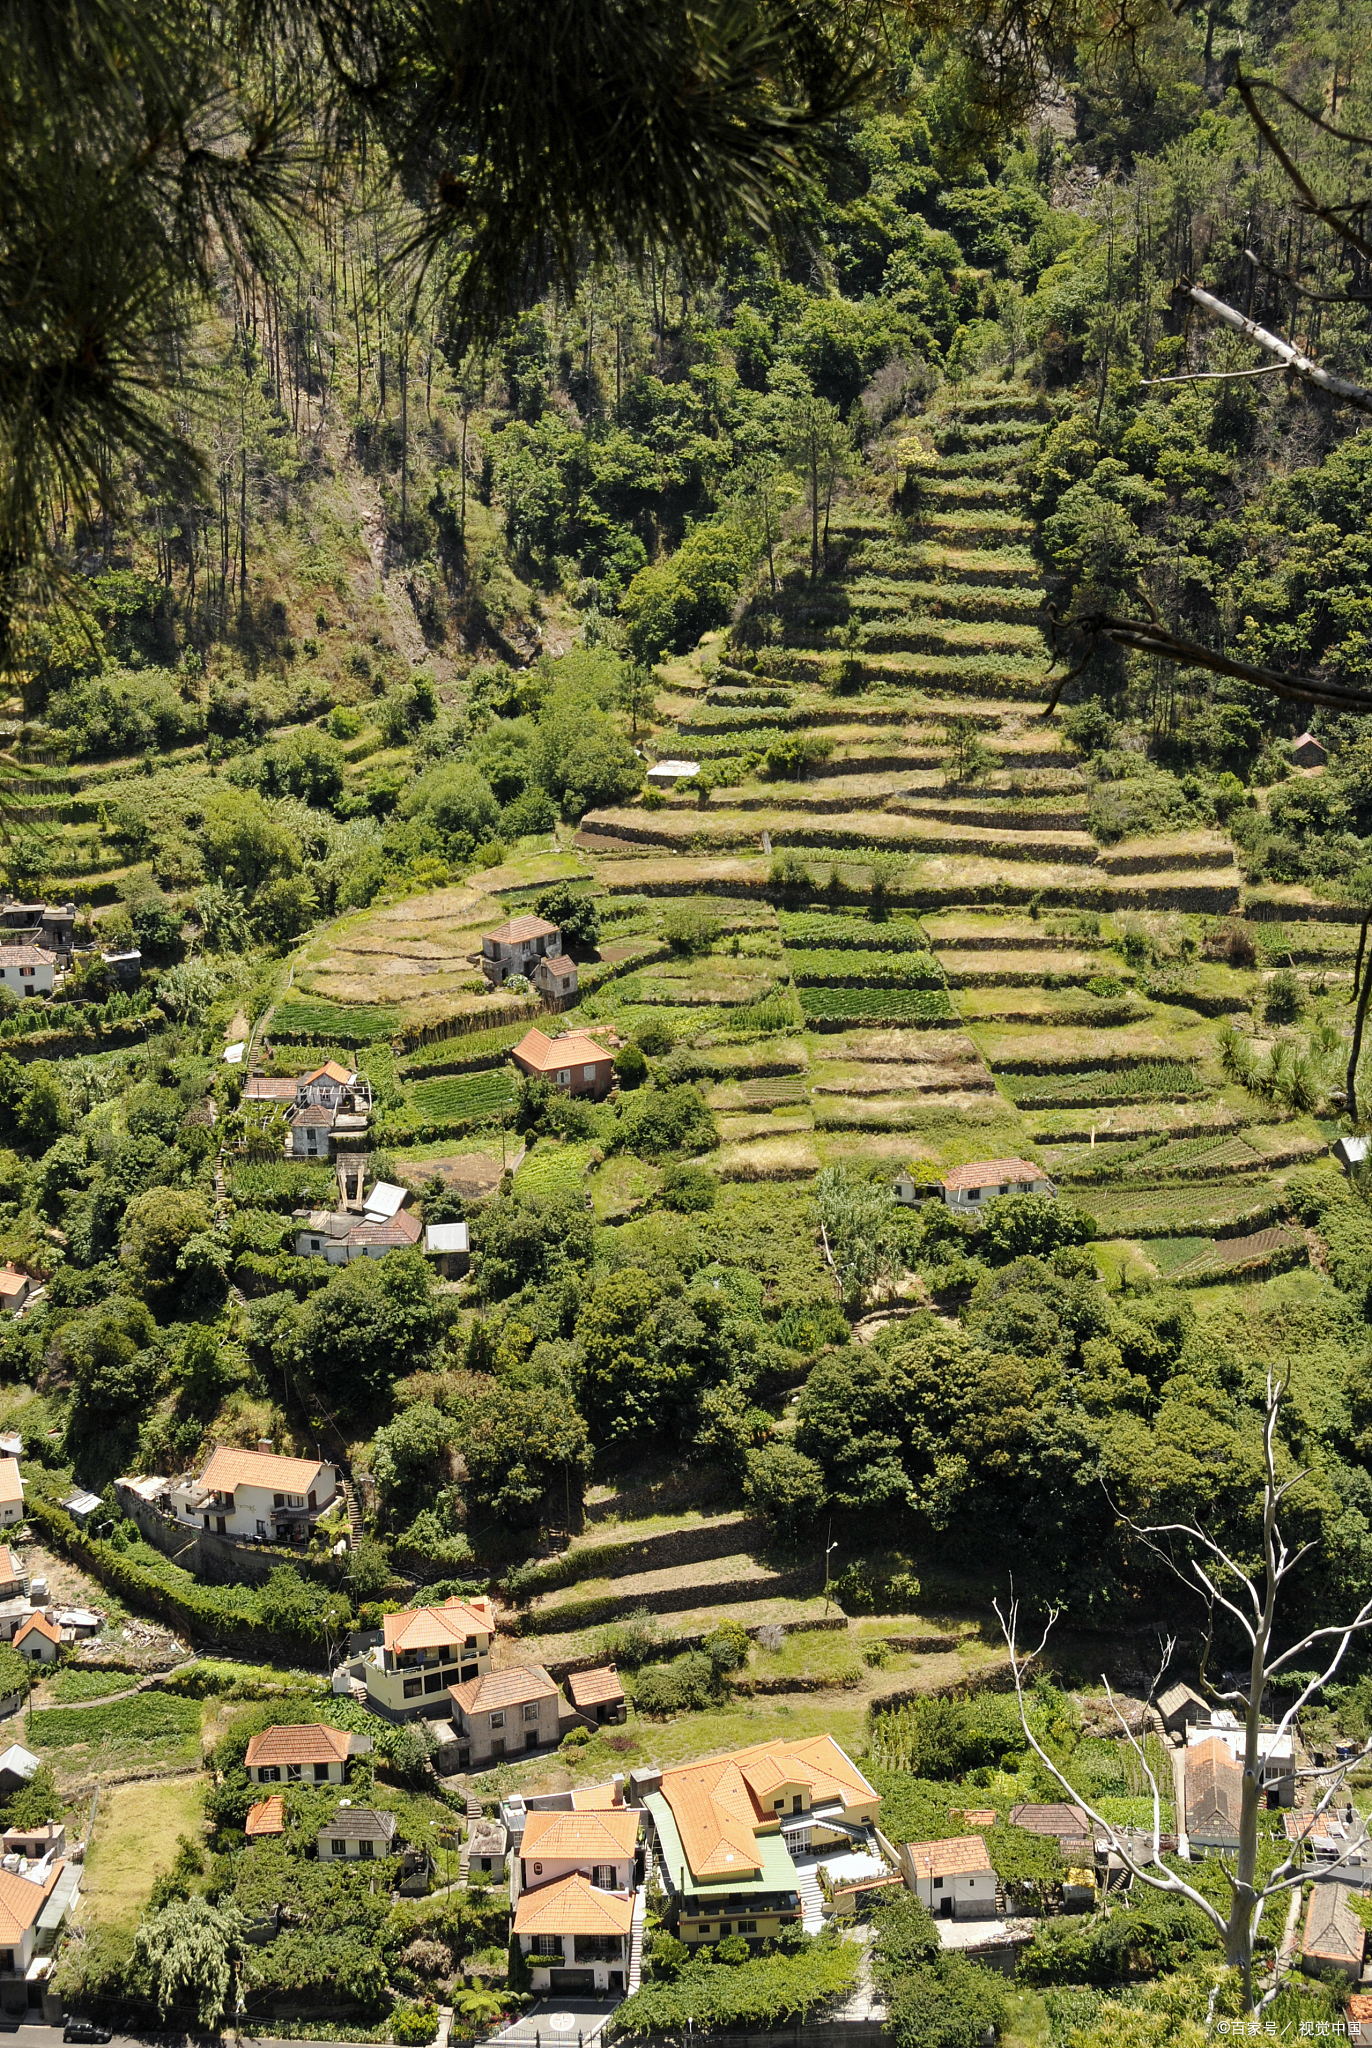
{"points": [[635, 1976], [811, 1899]]}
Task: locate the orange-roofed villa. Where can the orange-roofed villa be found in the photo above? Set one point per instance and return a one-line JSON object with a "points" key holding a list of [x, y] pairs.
{"points": [[576, 1889], [737, 1837], [575, 1061], [425, 1650]]}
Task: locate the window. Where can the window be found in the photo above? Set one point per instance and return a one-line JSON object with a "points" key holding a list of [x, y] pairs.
{"points": [[938, 1884], [278, 1500], [315, 1245], [292, 1773], [338, 1848], [725, 1927], [531, 1713], [747, 1927], [564, 1079], [366, 1849], [704, 1927], [434, 1682], [497, 1720], [413, 1688], [603, 1877], [269, 1774], [780, 1804], [547, 1945], [321, 1774], [588, 1073]]}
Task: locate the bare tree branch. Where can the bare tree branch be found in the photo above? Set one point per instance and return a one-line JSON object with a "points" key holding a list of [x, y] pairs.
{"points": [[1144, 637], [1309, 200], [1303, 365]]}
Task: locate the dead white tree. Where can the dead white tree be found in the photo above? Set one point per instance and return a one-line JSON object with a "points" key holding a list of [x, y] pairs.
{"points": [[1251, 1604]]}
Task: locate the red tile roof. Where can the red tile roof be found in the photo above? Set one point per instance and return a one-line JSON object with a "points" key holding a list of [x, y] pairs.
{"points": [[544, 1055], [594, 1688], [514, 1688], [606, 1835], [432, 1628], [268, 1817], [986, 1173], [963, 1856], [521, 928], [311, 1743], [11, 1483], [21, 1901], [38, 1625], [330, 1071], [572, 1905], [229, 1469]]}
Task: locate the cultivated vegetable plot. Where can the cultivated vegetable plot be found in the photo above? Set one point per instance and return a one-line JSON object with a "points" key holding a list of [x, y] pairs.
{"points": [[1102, 1087], [305, 1017], [892, 935], [454, 1097], [1182, 1211], [832, 1009], [852, 968]]}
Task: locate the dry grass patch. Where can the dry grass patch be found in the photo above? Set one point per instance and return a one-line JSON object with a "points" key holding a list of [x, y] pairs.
{"points": [[136, 1830], [790, 1158]]}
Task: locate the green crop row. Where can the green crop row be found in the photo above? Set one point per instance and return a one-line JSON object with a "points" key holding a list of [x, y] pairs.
{"points": [[835, 1008], [463, 1095], [146, 1717], [851, 968], [279, 1183], [304, 1016], [1104, 1085], [833, 929]]}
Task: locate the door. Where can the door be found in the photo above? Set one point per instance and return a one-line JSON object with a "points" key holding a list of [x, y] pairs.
{"points": [[571, 1980], [945, 1906]]}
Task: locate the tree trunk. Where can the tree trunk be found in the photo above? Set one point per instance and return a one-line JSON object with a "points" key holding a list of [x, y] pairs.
{"points": [[1357, 965], [1355, 1050], [814, 510]]}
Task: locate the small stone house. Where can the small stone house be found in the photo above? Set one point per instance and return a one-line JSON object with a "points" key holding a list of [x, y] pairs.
{"points": [[28, 970], [1180, 1708], [311, 1754], [1308, 752], [1334, 1938], [486, 1847], [518, 947], [598, 1694], [956, 1880], [504, 1713], [982, 1180], [356, 1834], [1068, 1826]]}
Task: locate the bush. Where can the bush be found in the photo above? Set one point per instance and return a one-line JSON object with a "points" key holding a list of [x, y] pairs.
{"points": [[692, 926], [412, 2024], [1284, 998], [785, 1486], [687, 1188], [688, 1684], [667, 1120], [632, 1067]]}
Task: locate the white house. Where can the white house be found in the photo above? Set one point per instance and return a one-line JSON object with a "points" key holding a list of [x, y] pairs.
{"points": [[256, 1495], [15, 1288], [341, 1235], [38, 1639], [312, 1754], [33, 1905], [982, 1180], [572, 1886], [356, 1834], [11, 1493], [955, 1879], [28, 970]]}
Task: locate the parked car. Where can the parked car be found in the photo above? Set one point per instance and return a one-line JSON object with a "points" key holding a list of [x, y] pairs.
{"points": [[85, 2030]]}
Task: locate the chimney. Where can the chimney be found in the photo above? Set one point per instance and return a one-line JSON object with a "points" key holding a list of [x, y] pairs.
{"points": [[264, 1443], [617, 1789]]}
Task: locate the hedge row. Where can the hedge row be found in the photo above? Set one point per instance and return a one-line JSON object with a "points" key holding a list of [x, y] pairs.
{"points": [[209, 1612]]}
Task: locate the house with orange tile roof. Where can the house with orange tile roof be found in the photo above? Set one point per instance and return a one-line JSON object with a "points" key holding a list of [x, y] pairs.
{"points": [[38, 1639], [504, 1713], [525, 945], [727, 1830], [268, 1817], [956, 1879], [33, 1905], [308, 1754], [575, 1061], [598, 1694], [423, 1652], [602, 1843], [982, 1180], [256, 1495], [575, 1935]]}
